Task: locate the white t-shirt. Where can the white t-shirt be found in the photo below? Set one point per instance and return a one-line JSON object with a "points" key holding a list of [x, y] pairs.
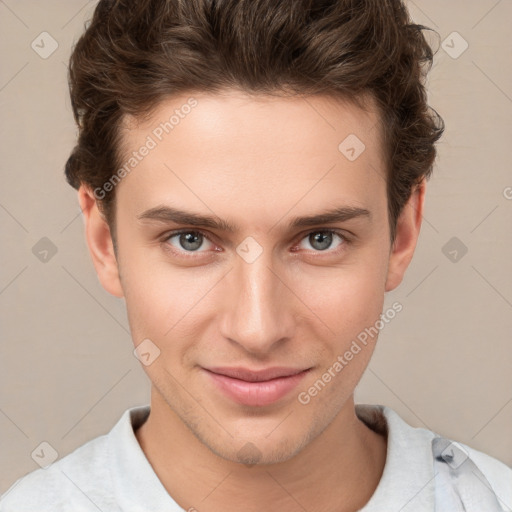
{"points": [[111, 474]]}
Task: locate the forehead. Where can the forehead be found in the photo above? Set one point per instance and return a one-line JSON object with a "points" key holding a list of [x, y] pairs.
{"points": [[228, 116], [253, 153]]}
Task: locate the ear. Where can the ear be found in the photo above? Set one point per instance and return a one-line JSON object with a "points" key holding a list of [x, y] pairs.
{"points": [[99, 241], [407, 232]]}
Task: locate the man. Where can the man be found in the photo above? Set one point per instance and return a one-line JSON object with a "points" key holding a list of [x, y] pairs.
{"points": [[252, 177]]}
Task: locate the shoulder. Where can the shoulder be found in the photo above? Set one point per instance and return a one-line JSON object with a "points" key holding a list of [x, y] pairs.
{"points": [[91, 478], [426, 450], [498, 474], [79, 479]]}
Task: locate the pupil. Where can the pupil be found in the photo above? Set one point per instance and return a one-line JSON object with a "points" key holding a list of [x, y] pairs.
{"points": [[324, 239], [190, 238]]}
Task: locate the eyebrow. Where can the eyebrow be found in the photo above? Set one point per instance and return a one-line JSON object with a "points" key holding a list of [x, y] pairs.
{"points": [[170, 214]]}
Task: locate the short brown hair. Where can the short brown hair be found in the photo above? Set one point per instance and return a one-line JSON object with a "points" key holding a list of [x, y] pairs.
{"points": [[136, 53]]}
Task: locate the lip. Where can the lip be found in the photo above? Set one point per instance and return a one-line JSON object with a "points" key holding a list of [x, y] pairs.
{"points": [[256, 387]]}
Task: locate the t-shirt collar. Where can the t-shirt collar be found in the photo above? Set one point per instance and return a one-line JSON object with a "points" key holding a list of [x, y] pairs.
{"points": [[407, 483]]}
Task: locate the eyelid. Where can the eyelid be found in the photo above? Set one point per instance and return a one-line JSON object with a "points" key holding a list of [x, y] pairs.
{"points": [[170, 234], [346, 239]]}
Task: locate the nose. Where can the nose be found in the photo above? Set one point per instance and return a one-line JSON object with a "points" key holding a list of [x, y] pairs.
{"points": [[258, 306]]}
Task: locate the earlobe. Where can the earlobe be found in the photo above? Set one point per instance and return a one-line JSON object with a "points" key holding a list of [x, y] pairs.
{"points": [[99, 241], [407, 233]]}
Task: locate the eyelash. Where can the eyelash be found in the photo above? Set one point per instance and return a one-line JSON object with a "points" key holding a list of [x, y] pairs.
{"points": [[345, 240]]}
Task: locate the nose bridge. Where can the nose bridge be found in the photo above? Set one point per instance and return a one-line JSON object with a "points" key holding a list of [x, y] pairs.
{"points": [[258, 310]]}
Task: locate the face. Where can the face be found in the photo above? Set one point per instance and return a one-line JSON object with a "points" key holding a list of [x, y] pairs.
{"points": [[247, 310]]}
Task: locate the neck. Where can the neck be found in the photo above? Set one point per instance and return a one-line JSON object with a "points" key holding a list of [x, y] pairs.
{"points": [[337, 471]]}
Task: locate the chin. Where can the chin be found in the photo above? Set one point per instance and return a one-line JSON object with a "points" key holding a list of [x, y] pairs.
{"points": [[258, 449]]}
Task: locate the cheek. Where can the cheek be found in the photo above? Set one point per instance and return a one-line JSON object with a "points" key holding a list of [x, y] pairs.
{"points": [[166, 303], [160, 304], [350, 308], [347, 299]]}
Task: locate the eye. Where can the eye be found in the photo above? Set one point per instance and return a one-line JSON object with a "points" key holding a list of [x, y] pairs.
{"points": [[322, 240], [186, 241], [191, 241]]}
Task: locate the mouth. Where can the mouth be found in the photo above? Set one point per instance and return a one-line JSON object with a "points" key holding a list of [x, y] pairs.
{"points": [[256, 387]]}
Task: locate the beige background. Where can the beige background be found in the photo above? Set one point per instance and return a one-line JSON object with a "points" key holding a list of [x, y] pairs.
{"points": [[67, 371]]}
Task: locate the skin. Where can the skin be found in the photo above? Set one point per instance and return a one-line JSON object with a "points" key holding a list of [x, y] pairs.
{"points": [[257, 162]]}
